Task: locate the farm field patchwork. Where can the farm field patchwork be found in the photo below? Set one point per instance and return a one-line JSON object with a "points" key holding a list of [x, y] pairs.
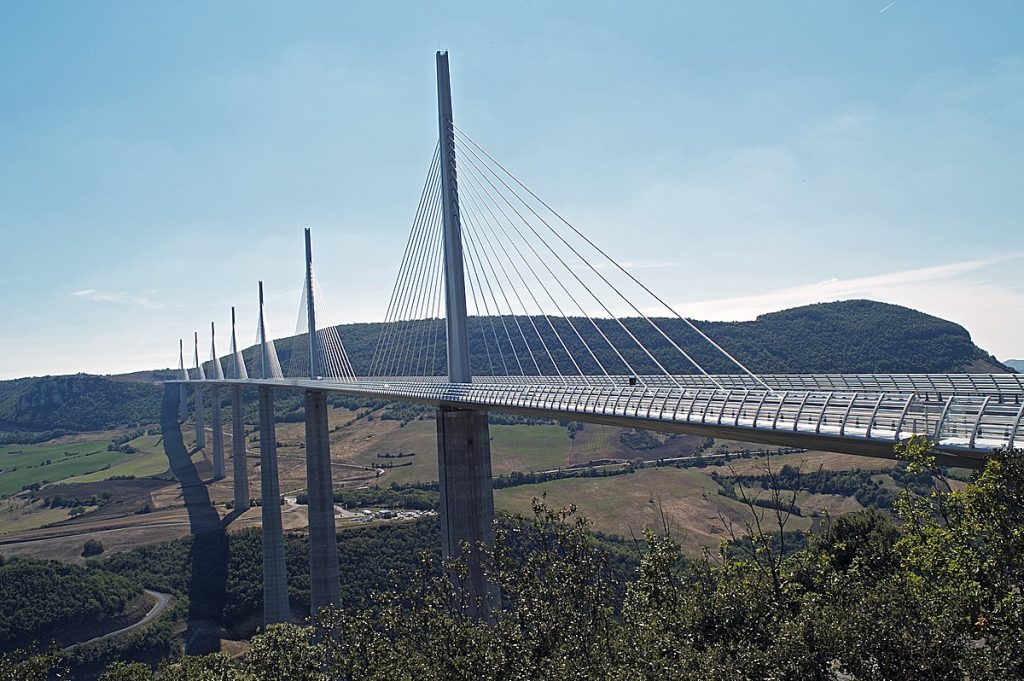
{"points": [[22, 465], [150, 460]]}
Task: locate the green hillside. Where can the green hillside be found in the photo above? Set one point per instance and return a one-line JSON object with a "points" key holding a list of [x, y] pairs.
{"points": [[41, 599], [75, 403], [856, 336]]}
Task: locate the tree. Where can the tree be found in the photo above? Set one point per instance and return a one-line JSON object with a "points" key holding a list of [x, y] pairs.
{"points": [[964, 552], [21, 665], [126, 671], [92, 547]]}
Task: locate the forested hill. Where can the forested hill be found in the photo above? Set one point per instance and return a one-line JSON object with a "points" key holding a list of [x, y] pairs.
{"points": [[56, 404], [857, 336]]}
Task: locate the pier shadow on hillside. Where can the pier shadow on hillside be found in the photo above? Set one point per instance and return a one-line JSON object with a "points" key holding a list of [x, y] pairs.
{"points": [[208, 555], [232, 516]]}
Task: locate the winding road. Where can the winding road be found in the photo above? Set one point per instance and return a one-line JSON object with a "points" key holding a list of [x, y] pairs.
{"points": [[162, 601]]}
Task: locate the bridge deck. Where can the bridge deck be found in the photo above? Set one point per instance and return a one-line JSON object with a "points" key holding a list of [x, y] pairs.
{"points": [[858, 420]]}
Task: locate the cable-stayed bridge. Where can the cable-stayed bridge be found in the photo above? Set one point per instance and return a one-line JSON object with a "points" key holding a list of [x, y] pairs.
{"points": [[501, 304]]}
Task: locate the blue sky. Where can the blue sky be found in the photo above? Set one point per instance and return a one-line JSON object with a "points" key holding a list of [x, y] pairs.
{"points": [[156, 159]]}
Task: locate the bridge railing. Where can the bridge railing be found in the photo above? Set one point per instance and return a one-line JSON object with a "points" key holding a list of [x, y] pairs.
{"points": [[957, 423], [1005, 387]]}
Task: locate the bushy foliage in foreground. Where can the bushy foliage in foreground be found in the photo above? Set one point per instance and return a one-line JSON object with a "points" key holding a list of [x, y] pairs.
{"points": [[937, 596]]}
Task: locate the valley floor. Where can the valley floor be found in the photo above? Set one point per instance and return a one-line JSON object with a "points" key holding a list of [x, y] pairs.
{"points": [[144, 503]]}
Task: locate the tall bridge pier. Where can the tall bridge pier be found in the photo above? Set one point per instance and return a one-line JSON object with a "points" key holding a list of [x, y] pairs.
{"points": [[463, 436], [215, 415], [218, 433], [467, 499], [275, 572], [199, 406], [324, 578], [239, 465], [200, 421]]}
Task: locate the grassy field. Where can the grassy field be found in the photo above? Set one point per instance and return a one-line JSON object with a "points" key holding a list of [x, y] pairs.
{"points": [[806, 462], [22, 465], [596, 442], [513, 448], [528, 448], [18, 514], [418, 437], [687, 499], [150, 460]]}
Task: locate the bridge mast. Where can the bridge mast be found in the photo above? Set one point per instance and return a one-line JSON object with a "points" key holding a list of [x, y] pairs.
{"points": [[182, 392], [463, 437], [314, 342], [454, 274], [265, 371]]}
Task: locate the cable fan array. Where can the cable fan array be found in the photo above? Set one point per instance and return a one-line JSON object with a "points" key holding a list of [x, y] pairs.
{"points": [[331, 361], [267, 364], [544, 300], [413, 337]]}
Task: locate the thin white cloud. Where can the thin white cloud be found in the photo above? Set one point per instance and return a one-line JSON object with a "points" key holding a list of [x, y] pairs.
{"points": [[114, 297], [630, 265], [970, 293], [638, 265]]}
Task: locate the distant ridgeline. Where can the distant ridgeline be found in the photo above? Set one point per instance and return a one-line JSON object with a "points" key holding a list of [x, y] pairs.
{"points": [[857, 336]]}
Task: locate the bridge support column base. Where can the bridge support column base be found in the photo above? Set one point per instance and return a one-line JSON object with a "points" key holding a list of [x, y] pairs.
{"points": [[275, 574], [218, 433], [324, 581], [239, 465], [467, 500]]}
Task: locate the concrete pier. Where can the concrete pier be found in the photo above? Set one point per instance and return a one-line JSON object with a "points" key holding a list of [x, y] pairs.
{"points": [[200, 421], [218, 433], [467, 499], [324, 581], [275, 574], [239, 465], [182, 403]]}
